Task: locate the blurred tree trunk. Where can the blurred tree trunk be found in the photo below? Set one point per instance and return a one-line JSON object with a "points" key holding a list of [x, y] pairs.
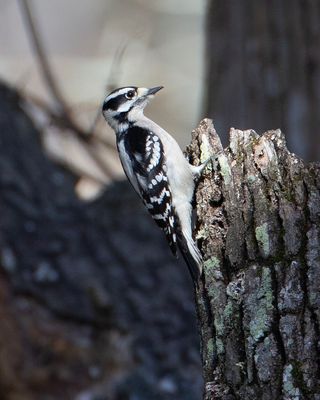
{"points": [[258, 304], [79, 315], [263, 69]]}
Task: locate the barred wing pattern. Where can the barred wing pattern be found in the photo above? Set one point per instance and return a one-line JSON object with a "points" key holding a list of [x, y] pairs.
{"points": [[149, 171]]}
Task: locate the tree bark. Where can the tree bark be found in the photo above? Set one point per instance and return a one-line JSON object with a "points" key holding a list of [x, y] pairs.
{"points": [[258, 225]]}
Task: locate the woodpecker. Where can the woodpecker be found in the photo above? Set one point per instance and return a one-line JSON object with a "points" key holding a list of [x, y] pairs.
{"points": [[156, 168]]}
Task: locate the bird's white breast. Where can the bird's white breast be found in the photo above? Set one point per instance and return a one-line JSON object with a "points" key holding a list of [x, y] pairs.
{"points": [[127, 165]]}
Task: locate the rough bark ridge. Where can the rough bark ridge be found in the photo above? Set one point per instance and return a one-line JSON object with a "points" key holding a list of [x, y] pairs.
{"points": [[258, 209]]}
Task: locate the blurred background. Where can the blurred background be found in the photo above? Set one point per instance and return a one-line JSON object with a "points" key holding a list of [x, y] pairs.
{"points": [[93, 306], [93, 47]]}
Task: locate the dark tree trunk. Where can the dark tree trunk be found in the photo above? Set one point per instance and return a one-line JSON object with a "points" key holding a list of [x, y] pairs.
{"points": [[92, 303], [258, 209], [263, 69]]}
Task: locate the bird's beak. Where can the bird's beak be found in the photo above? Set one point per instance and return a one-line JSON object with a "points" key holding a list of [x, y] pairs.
{"points": [[153, 90]]}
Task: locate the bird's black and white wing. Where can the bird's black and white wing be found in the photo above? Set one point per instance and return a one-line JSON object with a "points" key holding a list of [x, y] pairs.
{"points": [[146, 170]]}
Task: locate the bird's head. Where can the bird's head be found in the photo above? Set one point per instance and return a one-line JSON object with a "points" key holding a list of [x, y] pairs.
{"points": [[125, 105]]}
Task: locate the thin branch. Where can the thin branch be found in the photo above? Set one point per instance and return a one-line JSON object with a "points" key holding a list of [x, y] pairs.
{"points": [[115, 70], [39, 50], [58, 120], [46, 70], [61, 116], [90, 142], [113, 78]]}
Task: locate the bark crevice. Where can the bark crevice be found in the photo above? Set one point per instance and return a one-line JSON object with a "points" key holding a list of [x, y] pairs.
{"points": [[258, 211]]}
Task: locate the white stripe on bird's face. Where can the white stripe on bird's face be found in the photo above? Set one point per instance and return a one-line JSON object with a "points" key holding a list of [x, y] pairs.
{"points": [[119, 92], [125, 105], [138, 102]]}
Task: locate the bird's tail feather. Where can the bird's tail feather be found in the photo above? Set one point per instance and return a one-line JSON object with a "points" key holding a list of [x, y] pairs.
{"points": [[191, 255]]}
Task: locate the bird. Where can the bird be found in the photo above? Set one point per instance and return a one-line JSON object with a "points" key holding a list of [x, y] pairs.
{"points": [[156, 168]]}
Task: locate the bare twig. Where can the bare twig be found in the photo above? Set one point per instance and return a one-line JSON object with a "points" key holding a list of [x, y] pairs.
{"points": [[61, 116], [58, 120], [45, 68], [115, 70], [62, 107], [113, 78], [90, 142]]}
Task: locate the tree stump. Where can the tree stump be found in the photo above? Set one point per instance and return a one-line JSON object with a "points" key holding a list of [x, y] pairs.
{"points": [[258, 304]]}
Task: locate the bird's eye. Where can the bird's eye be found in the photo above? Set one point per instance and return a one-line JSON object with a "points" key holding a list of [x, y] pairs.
{"points": [[130, 95]]}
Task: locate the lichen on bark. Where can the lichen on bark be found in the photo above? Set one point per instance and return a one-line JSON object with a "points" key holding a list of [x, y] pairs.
{"points": [[258, 303]]}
